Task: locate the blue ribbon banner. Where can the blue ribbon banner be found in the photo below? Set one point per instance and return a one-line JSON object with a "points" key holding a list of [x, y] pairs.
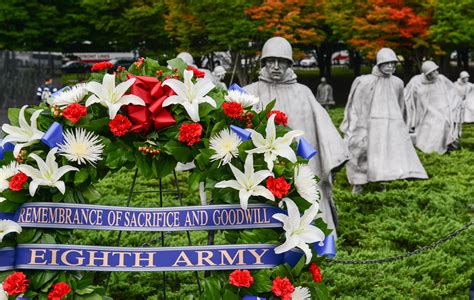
{"points": [[82, 216], [101, 258]]}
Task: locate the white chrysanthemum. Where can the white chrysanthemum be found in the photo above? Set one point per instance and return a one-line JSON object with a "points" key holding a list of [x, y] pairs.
{"points": [[225, 144], [6, 172], [81, 146], [301, 293], [246, 100], [305, 183], [72, 95]]}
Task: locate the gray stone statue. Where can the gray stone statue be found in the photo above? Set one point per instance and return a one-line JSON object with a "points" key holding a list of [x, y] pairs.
{"points": [[277, 80], [375, 130], [434, 110], [465, 90], [219, 74], [324, 94]]}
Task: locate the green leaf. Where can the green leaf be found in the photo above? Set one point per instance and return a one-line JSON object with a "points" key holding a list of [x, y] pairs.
{"points": [[8, 206], [13, 116], [229, 295], [178, 63], [212, 288], [26, 236], [202, 159], [267, 109], [164, 166], [81, 176], [16, 197], [262, 281], [181, 152], [299, 266]]}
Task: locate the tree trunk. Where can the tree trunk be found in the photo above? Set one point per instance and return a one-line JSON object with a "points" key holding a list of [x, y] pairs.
{"points": [[321, 61], [444, 64], [465, 59], [355, 62], [327, 60]]}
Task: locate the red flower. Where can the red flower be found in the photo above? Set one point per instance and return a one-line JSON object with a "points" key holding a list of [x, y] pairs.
{"points": [[15, 283], [278, 186], [241, 278], [59, 291], [73, 112], [120, 125], [282, 288], [233, 109], [17, 181], [103, 65], [280, 117], [197, 73], [314, 269], [190, 133]]}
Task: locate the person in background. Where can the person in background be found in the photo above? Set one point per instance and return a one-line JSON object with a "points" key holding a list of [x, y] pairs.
{"points": [[277, 80], [434, 110], [324, 94], [375, 130], [45, 90]]}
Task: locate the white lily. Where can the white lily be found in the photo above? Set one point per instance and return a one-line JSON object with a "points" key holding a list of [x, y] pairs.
{"points": [[112, 96], [48, 172], [298, 229], [2, 199], [190, 95], [305, 183], [6, 172], [248, 183], [8, 226], [26, 134], [273, 146]]}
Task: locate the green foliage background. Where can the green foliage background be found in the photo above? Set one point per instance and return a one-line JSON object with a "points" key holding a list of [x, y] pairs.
{"points": [[408, 215]]}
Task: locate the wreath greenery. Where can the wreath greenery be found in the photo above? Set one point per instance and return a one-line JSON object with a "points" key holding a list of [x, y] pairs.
{"points": [[151, 117]]}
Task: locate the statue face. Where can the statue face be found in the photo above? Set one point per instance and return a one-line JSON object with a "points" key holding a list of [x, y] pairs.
{"points": [[465, 79], [388, 68], [276, 67], [432, 76]]}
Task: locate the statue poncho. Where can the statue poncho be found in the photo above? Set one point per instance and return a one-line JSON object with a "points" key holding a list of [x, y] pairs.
{"points": [[305, 113], [375, 131], [434, 111], [466, 92]]}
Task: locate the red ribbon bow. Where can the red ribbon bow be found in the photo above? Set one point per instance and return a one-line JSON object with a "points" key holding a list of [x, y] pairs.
{"points": [[151, 90]]}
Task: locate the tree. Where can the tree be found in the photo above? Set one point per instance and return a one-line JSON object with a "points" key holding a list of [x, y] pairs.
{"points": [[40, 25], [302, 23], [453, 23], [398, 24], [208, 26]]}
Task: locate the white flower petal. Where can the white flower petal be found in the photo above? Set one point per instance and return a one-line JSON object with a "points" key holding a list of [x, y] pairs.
{"points": [[244, 196]]}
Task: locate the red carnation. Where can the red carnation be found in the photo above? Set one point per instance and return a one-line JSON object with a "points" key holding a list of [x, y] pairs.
{"points": [[233, 109], [15, 283], [278, 186], [120, 125], [282, 288], [73, 112], [103, 65], [17, 181], [280, 117], [197, 73], [241, 278], [314, 269], [190, 133], [59, 291]]}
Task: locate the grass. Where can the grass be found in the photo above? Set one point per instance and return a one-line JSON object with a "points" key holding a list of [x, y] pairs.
{"points": [[408, 215]]}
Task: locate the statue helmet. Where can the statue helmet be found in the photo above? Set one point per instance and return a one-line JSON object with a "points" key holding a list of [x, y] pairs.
{"points": [[187, 58], [386, 55], [464, 74], [219, 70], [428, 67], [277, 47]]}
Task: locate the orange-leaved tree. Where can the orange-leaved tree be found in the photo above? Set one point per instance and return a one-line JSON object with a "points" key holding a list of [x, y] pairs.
{"points": [[301, 22]]}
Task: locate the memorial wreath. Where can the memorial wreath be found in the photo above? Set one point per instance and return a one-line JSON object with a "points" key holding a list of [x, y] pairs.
{"points": [[150, 118]]}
